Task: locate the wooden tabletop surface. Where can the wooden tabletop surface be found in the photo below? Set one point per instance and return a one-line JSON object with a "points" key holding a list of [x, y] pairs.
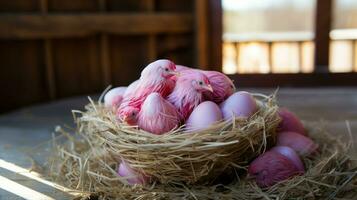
{"points": [[335, 108]]}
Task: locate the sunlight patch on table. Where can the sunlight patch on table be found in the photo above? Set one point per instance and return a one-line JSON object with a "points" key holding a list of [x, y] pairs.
{"points": [[35, 176], [21, 191]]}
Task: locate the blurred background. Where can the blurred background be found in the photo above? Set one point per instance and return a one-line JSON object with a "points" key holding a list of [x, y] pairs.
{"points": [[52, 49], [277, 36]]}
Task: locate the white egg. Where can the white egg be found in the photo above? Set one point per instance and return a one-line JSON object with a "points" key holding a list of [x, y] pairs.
{"points": [[203, 116], [239, 104]]}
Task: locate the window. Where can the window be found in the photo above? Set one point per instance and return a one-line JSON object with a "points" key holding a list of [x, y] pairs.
{"points": [[276, 36], [343, 36], [271, 36]]}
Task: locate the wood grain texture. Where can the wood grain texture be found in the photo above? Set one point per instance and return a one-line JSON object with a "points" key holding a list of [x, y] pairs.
{"points": [[182, 6], [17, 6], [322, 34], [104, 48], [29, 26], [215, 32], [21, 84], [201, 17], [71, 47], [180, 48], [50, 76], [76, 66], [126, 6], [72, 5], [128, 56], [152, 50], [208, 20]]}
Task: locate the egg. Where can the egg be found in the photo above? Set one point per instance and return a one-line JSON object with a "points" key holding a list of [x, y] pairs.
{"points": [[203, 116], [303, 145], [239, 104], [274, 166], [291, 154], [131, 176], [114, 97], [290, 122]]}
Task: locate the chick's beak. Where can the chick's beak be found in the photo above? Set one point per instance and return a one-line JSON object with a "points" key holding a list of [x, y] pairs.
{"points": [[208, 87]]}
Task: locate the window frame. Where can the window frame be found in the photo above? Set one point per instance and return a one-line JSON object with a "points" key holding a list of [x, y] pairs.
{"points": [[320, 75]]}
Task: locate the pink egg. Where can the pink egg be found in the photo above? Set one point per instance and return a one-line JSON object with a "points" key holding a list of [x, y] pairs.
{"points": [[131, 176], [203, 116], [291, 154], [272, 167], [290, 122], [239, 104], [114, 97], [300, 143]]}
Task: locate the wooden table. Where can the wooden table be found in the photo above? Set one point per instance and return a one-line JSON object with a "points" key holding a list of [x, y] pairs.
{"points": [[24, 129]]}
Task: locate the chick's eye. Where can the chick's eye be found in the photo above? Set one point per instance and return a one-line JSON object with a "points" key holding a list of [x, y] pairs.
{"points": [[200, 83], [132, 114], [166, 69]]}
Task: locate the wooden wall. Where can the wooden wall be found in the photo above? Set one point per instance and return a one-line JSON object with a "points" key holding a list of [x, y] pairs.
{"points": [[51, 49]]}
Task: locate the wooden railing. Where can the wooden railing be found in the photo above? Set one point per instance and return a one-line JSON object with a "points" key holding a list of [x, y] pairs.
{"points": [[268, 53], [286, 56]]}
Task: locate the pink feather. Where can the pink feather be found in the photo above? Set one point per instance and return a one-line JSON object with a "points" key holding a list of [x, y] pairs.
{"points": [[271, 168], [154, 78], [222, 86], [114, 97], [128, 114], [157, 115], [131, 88], [181, 68], [188, 92]]}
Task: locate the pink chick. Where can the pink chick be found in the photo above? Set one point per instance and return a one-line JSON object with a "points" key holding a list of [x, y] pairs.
{"points": [[114, 97], [271, 168], [223, 86], [290, 122], [180, 68], [157, 115], [131, 88], [154, 78], [129, 114], [303, 145], [131, 176], [188, 92]]}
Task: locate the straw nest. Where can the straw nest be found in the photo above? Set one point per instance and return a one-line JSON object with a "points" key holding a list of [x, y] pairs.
{"points": [[209, 164]]}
